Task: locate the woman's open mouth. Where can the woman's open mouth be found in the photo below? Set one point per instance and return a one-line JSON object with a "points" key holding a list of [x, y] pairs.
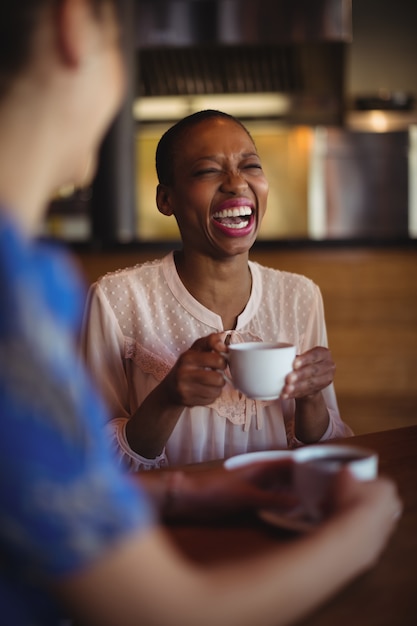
{"points": [[236, 218]]}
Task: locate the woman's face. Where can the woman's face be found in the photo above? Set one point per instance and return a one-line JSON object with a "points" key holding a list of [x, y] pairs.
{"points": [[219, 194]]}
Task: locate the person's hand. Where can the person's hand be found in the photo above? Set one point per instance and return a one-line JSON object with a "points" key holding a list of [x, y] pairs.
{"points": [[196, 378], [373, 506], [213, 493], [379, 496], [312, 372]]}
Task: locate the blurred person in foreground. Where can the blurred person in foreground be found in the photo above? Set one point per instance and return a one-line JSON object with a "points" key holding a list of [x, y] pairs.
{"points": [[154, 334], [78, 537]]}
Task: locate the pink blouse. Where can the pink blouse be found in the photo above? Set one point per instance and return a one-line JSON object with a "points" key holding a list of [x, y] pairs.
{"points": [[140, 319]]}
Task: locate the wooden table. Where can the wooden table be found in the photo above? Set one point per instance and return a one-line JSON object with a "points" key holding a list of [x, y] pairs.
{"points": [[384, 596]]}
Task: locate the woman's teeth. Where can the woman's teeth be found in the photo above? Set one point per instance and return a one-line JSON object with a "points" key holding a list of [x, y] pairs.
{"points": [[232, 218], [237, 225], [241, 211]]}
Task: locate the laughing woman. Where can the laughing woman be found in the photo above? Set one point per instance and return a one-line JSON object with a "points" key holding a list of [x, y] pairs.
{"points": [[154, 333]]}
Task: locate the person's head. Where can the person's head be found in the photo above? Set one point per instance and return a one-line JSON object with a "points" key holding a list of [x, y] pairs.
{"points": [[170, 141], [19, 24], [65, 55], [211, 179]]}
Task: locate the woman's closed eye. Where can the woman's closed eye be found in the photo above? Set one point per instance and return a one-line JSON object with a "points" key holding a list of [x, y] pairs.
{"points": [[206, 171], [252, 166]]}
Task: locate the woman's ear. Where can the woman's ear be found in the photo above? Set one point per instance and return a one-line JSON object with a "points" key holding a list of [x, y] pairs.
{"points": [[163, 200]]}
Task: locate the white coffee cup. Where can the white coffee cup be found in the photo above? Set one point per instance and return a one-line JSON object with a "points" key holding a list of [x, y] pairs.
{"points": [[259, 368], [316, 467]]}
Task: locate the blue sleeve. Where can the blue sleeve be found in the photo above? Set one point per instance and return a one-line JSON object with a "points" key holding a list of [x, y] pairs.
{"points": [[63, 500]]}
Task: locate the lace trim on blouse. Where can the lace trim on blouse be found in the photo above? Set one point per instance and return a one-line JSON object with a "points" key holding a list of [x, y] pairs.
{"points": [[147, 361], [126, 456]]}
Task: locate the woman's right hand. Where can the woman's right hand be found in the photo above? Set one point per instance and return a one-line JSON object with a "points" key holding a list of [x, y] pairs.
{"points": [[196, 378]]}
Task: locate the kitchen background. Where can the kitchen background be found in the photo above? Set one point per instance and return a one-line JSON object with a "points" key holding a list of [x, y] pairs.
{"points": [[328, 90]]}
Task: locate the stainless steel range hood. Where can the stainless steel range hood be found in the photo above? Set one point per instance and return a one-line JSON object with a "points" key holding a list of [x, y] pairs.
{"points": [[188, 23], [292, 47]]}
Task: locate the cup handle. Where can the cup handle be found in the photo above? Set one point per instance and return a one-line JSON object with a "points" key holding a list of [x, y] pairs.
{"points": [[223, 373], [228, 379]]}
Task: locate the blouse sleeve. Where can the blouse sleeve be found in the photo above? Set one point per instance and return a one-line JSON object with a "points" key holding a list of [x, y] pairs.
{"points": [[316, 335], [102, 346], [125, 455]]}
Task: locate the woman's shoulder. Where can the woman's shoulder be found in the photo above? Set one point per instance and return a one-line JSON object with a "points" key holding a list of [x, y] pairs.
{"points": [[145, 271], [282, 278]]}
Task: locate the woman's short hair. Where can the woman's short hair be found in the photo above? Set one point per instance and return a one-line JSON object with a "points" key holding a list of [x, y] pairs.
{"points": [[167, 145]]}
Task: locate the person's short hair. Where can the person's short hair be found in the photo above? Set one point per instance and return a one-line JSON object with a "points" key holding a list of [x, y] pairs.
{"points": [[167, 145], [18, 21]]}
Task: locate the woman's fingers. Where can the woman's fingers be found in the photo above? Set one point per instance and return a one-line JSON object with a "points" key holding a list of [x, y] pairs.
{"points": [[313, 371]]}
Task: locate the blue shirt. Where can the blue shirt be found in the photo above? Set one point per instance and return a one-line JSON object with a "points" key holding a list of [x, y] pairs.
{"points": [[63, 500]]}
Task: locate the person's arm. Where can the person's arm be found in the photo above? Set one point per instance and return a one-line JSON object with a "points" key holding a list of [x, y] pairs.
{"points": [[195, 380], [144, 580], [313, 371], [311, 382], [213, 492], [102, 348], [192, 381]]}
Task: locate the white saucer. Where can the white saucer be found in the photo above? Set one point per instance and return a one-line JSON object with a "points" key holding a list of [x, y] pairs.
{"points": [[294, 520], [254, 457]]}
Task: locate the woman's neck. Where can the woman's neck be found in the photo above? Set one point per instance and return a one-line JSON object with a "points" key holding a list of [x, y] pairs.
{"points": [[223, 286]]}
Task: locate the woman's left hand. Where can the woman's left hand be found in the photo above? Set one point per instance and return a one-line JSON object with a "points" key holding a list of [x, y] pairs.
{"points": [[312, 372]]}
